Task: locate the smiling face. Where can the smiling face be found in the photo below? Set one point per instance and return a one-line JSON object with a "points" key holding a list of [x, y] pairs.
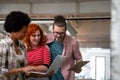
{"points": [[59, 33], [35, 38]]}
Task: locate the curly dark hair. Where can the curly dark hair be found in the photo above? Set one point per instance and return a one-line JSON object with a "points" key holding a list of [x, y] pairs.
{"points": [[15, 21]]}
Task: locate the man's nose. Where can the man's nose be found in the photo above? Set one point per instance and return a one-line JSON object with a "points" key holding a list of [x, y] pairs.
{"points": [[58, 35]]}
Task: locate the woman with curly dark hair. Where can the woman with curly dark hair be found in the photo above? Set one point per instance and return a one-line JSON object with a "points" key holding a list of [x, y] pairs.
{"points": [[12, 51], [38, 54]]}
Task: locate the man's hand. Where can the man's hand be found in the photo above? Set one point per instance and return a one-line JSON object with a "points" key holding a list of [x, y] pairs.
{"points": [[77, 70]]}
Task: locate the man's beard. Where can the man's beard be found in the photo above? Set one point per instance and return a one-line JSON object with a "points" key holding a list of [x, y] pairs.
{"points": [[61, 39]]}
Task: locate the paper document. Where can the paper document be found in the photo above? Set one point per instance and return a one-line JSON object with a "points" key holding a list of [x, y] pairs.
{"points": [[78, 65], [56, 64]]}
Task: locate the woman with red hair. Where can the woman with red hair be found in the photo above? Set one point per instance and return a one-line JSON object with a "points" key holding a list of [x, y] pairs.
{"points": [[38, 53]]}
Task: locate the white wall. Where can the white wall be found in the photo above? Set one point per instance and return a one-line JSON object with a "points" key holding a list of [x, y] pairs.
{"points": [[58, 8], [115, 40], [53, 8], [6, 8], [95, 7]]}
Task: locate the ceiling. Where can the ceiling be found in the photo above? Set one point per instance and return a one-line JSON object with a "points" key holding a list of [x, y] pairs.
{"points": [[45, 1], [82, 26]]}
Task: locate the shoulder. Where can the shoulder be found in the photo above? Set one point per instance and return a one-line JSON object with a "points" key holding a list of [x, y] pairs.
{"points": [[42, 47], [67, 37], [70, 39], [46, 47], [3, 46], [50, 37], [3, 42], [6, 41]]}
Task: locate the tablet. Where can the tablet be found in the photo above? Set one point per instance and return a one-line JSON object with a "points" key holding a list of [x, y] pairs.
{"points": [[78, 65]]}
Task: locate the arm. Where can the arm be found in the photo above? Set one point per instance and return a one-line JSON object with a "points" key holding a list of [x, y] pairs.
{"points": [[13, 71], [46, 56], [40, 68], [76, 52], [4, 63], [41, 75], [77, 55], [45, 65], [18, 70], [3, 66]]}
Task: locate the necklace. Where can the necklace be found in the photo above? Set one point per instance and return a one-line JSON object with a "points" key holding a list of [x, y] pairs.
{"points": [[17, 49]]}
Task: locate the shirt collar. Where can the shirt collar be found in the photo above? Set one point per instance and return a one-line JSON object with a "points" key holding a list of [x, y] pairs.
{"points": [[8, 40]]}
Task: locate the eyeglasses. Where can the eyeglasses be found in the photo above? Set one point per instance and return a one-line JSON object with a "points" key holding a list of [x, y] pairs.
{"points": [[59, 33]]}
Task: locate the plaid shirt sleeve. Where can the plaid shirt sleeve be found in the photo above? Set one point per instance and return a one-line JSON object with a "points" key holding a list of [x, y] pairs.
{"points": [[3, 52]]}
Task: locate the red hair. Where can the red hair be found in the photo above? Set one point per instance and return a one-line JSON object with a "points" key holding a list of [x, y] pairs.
{"points": [[32, 28]]}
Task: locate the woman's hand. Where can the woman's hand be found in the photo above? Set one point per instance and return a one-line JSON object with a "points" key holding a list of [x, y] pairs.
{"points": [[50, 74], [41, 68], [28, 68], [17, 70], [39, 75]]}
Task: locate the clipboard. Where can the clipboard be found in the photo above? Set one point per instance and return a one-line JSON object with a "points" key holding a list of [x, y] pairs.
{"points": [[78, 65], [56, 64]]}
